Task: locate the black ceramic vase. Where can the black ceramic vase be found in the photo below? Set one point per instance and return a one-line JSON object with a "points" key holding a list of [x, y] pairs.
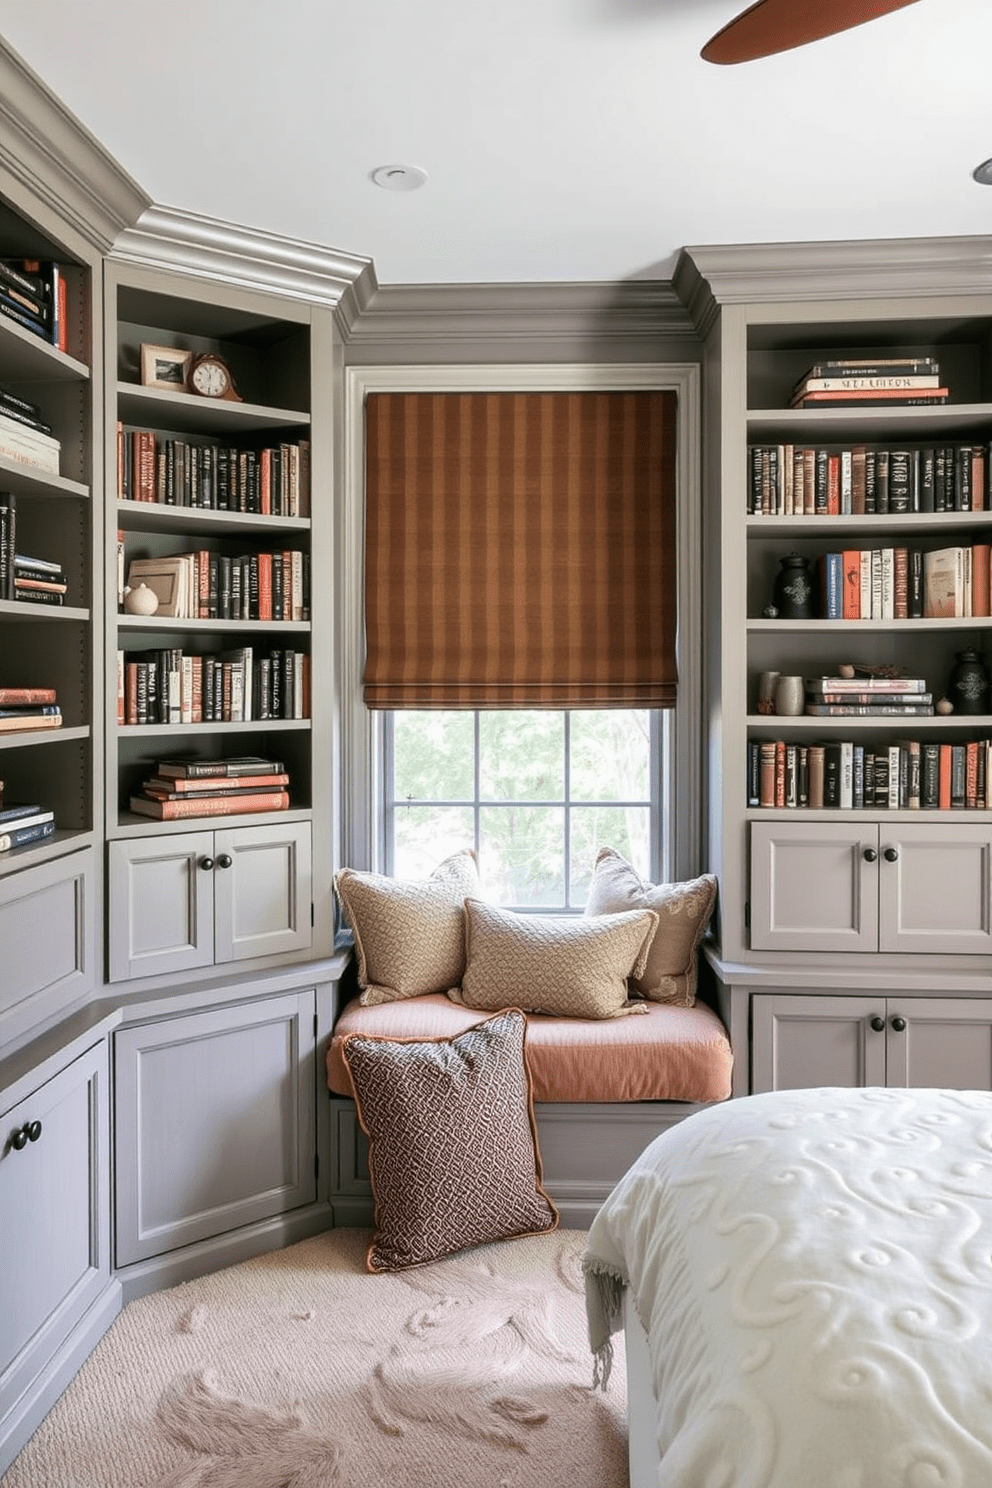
{"points": [[968, 684], [792, 594]]}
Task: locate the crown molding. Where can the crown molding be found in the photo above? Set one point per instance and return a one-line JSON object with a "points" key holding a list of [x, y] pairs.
{"points": [[46, 149], [522, 316], [707, 277], [189, 243]]}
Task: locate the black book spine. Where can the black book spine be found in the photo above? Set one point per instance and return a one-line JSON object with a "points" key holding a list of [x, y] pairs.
{"points": [[223, 587], [962, 478], [831, 775], [8, 529], [236, 589], [279, 583], [958, 760], [871, 481], [754, 773], [915, 596], [927, 463], [882, 481], [929, 776]]}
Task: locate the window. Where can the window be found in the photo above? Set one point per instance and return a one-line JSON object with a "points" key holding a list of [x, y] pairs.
{"points": [[536, 792]]}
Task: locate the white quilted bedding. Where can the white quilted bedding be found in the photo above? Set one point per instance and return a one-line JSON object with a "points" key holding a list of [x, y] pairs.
{"points": [[814, 1272]]}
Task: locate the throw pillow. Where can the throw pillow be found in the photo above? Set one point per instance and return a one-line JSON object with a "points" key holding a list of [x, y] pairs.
{"points": [[453, 1154], [409, 935], [552, 964], [683, 911]]}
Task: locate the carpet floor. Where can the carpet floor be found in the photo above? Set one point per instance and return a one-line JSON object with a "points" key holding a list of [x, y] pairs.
{"points": [[300, 1370]]}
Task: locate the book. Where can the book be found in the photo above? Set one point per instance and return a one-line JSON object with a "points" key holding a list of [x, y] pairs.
{"points": [[865, 684], [15, 696], [943, 583], [19, 723], [277, 800], [19, 812], [869, 710], [21, 836], [883, 701], [881, 383], [877, 398], [206, 784], [874, 367], [248, 764]]}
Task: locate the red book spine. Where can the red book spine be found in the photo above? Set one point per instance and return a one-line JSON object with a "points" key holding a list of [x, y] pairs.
{"points": [[211, 806], [131, 692], [17, 696], [780, 772], [833, 485], [851, 560], [265, 586], [265, 483]]}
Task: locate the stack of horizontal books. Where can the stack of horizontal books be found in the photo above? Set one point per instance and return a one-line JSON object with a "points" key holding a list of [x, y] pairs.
{"points": [[871, 383], [868, 697], [23, 708], [226, 787], [20, 825], [25, 436], [33, 296]]}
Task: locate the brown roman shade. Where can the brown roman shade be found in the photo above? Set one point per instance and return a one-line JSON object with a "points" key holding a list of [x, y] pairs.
{"points": [[520, 550]]}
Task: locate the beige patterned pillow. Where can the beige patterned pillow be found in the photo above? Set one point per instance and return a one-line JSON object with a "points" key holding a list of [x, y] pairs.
{"points": [[551, 963], [409, 935], [683, 911], [453, 1153]]}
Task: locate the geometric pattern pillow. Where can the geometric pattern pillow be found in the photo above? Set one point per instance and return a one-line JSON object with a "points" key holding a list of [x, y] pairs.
{"points": [[453, 1155], [553, 963], [683, 910], [409, 935]]}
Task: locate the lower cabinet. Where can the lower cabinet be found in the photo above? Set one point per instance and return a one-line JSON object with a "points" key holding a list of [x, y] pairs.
{"points": [[869, 886], [214, 1118], [54, 1224], [206, 898], [805, 1040], [47, 918]]}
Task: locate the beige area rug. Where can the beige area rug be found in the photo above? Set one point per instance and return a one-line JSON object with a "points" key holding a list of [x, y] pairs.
{"points": [[300, 1370]]}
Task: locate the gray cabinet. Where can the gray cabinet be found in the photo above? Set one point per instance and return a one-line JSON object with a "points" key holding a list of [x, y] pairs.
{"points": [[207, 898], [214, 1122], [54, 1229], [47, 932], [871, 886], [809, 1040]]}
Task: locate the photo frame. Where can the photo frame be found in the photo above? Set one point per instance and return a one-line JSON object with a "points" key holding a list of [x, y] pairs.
{"points": [[165, 367]]}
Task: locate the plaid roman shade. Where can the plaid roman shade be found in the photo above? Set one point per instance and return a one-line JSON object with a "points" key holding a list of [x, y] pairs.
{"points": [[520, 550]]}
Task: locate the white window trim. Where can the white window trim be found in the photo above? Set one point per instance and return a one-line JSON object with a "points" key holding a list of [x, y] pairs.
{"points": [[363, 826]]}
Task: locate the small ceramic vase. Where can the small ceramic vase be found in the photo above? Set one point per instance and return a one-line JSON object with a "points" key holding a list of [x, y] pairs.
{"points": [[968, 684], [141, 600], [767, 682], [790, 696]]}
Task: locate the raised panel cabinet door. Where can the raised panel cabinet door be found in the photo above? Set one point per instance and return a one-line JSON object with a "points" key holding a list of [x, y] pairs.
{"points": [[262, 891], [814, 886], [935, 888], [940, 1043], [47, 937], [214, 1122], [799, 1042], [54, 1217], [161, 909]]}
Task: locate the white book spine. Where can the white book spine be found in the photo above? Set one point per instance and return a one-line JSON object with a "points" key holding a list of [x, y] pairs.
{"points": [[888, 584], [846, 774]]}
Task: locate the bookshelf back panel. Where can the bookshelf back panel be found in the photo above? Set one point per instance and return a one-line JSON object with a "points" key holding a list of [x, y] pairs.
{"points": [[139, 758], [56, 775], [270, 363]]}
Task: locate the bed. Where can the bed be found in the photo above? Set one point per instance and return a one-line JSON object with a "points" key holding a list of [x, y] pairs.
{"points": [[807, 1282]]}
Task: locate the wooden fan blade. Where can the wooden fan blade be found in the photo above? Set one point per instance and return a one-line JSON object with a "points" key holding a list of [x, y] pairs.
{"points": [[778, 25]]}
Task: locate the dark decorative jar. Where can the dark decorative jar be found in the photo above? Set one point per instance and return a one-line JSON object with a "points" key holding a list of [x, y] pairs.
{"points": [[968, 684], [792, 594]]}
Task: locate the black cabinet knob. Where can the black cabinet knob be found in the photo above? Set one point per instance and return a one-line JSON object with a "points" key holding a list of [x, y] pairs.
{"points": [[224, 860], [33, 1130], [206, 864], [869, 855], [899, 1024], [20, 1139], [877, 1024], [891, 854]]}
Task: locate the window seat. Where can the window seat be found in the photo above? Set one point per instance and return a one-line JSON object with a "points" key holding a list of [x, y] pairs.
{"points": [[670, 1054]]}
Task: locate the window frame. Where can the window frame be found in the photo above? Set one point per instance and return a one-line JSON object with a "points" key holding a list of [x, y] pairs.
{"points": [[361, 738]]}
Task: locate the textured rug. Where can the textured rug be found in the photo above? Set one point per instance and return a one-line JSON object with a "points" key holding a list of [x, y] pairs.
{"points": [[300, 1370]]}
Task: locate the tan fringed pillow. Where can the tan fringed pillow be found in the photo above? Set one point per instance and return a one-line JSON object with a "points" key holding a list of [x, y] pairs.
{"points": [[552, 964], [683, 911], [453, 1153], [409, 934]]}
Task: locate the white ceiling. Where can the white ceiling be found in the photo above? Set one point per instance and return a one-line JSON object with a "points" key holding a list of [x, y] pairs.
{"points": [[565, 140]]}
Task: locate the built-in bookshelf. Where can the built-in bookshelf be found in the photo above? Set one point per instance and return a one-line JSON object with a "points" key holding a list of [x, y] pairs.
{"points": [[50, 589]]}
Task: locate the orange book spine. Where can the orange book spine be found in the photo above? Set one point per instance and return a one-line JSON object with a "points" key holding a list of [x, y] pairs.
{"points": [[211, 806], [851, 561], [944, 778], [265, 586], [265, 483], [204, 784], [900, 584], [833, 485], [971, 773], [981, 579], [780, 772]]}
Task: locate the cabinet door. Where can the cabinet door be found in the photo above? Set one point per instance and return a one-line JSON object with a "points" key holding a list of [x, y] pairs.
{"points": [[47, 935], [942, 1043], [812, 887], [161, 904], [935, 893], [262, 891], [54, 1217], [214, 1122], [798, 1042]]}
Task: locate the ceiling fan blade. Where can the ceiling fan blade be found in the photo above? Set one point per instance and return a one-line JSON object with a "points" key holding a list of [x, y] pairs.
{"points": [[778, 25]]}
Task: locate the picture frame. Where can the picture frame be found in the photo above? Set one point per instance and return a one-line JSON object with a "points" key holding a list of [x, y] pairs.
{"points": [[165, 367]]}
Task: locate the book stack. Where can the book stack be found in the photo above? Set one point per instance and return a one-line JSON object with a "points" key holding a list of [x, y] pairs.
{"points": [[228, 787], [171, 686], [868, 697], [870, 383], [274, 481], [33, 296], [213, 586], [28, 708], [25, 436], [787, 480], [20, 825], [844, 775]]}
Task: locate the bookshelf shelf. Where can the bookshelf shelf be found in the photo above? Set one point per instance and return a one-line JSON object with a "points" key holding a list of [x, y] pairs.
{"points": [[131, 825], [772, 726], [149, 516], [38, 738], [172, 731], [868, 526], [833, 425], [152, 623], [837, 627], [26, 357], [878, 817], [186, 413], [25, 480]]}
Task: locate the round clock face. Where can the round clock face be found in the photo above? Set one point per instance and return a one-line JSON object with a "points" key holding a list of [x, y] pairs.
{"points": [[210, 378]]}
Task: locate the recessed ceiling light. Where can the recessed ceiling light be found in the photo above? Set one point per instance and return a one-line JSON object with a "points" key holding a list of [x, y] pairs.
{"points": [[399, 177], [983, 173]]}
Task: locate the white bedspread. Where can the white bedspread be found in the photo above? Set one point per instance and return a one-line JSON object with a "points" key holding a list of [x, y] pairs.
{"points": [[814, 1272]]}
